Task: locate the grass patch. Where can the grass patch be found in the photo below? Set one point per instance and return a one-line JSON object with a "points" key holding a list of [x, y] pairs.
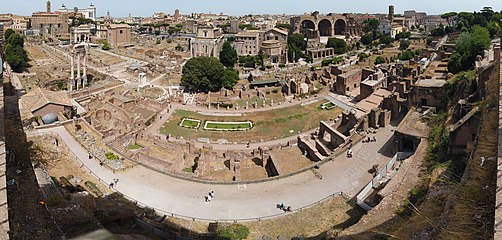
{"points": [[188, 170], [267, 125], [227, 126], [134, 147], [190, 123], [111, 156]]}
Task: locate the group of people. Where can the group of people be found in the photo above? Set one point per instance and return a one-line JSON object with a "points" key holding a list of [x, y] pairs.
{"points": [[284, 207], [113, 183], [368, 139], [209, 196]]}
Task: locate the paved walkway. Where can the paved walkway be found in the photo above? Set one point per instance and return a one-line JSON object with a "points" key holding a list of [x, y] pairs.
{"points": [[251, 201]]}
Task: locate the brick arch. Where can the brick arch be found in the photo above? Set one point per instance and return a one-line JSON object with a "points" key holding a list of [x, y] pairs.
{"points": [[325, 27]]}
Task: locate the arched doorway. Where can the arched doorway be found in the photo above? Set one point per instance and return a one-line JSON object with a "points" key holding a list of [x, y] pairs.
{"points": [[340, 27], [325, 28], [307, 26]]}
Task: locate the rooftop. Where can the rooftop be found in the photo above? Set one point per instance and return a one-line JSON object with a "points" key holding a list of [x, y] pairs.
{"points": [[38, 98], [412, 125], [430, 83]]}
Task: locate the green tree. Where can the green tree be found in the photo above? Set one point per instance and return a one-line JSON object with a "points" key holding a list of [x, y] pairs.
{"points": [[283, 25], [379, 60], [16, 57], [454, 63], [494, 29], [247, 61], [232, 232], [386, 40], [448, 16], [370, 25], [404, 44], [296, 46], [438, 32], [106, 45], [230, 78], [228, 55], [297, 40], [468, 46], [16, 39], [339, 45], [367, 39], [202, 74], [8, 32]]}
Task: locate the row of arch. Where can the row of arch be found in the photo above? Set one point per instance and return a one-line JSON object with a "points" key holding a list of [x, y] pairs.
{"points": [[325, 27]]}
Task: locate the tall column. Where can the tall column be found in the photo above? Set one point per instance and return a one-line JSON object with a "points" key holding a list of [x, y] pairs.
{"points": [[85, 72], [72, 74], [78, 69]]}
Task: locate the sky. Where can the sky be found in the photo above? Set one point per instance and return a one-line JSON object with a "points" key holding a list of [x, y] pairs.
{"points": [[122, 8]]}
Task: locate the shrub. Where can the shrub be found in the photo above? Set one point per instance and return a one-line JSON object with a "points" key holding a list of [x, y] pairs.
{"points": [[232, 232], [282, 65], [379, 60]]}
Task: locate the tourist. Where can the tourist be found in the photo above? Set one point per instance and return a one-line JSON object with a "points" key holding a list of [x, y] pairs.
{"points": [[374, 139], [90, 156], [111, 185], [211, 194], [208, 198], [115, 180], [100, 163], [281, 206]]}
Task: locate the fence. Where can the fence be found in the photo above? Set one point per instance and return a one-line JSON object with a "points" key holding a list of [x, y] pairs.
{"points": [[374, 182], [162, 212]]}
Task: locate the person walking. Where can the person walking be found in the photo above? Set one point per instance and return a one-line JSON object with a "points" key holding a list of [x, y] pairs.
{"points": [[111, 185], [115, 180], [211, 194]]}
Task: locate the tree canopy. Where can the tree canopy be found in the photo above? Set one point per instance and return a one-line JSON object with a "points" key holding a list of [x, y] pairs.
{"points": [[14, 53], [367, 39], [228, 55], [229, 78], [7, 33], [16, 40], [404, 44], [204, 74], [370, 25], [296, 46], [468, 46], [339, 45]]}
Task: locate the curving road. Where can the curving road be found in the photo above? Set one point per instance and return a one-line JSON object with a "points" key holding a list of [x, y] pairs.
{"points": [[240, 202]]}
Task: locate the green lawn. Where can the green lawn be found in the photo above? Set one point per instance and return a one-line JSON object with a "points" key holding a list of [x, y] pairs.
{"points": [[228, 126], [267, 125], [190, 123]]}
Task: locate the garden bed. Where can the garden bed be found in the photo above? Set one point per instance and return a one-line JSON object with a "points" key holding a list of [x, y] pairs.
{"points": [[190, 123], [228, 126], [328, 106]]}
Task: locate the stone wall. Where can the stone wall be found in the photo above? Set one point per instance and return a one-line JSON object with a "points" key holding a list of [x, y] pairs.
{"points": [[4, 207]]}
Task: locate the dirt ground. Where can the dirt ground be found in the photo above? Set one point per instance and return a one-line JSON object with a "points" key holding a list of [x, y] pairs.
{"points": [[310, 222]]}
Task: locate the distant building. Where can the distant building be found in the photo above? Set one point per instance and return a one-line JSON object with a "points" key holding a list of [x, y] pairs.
{"points": [[89, 12], [248, 43], [176, 16], [50, 23], [117, 35], [208, 42], [234, 26]]}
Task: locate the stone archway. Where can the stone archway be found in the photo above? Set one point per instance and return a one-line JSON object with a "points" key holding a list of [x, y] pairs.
{"points": [[340, 27], [307, 26], [325, 28]]}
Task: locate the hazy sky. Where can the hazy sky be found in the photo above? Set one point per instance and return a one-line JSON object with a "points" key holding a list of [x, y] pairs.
{"points": [[121, 8]]}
